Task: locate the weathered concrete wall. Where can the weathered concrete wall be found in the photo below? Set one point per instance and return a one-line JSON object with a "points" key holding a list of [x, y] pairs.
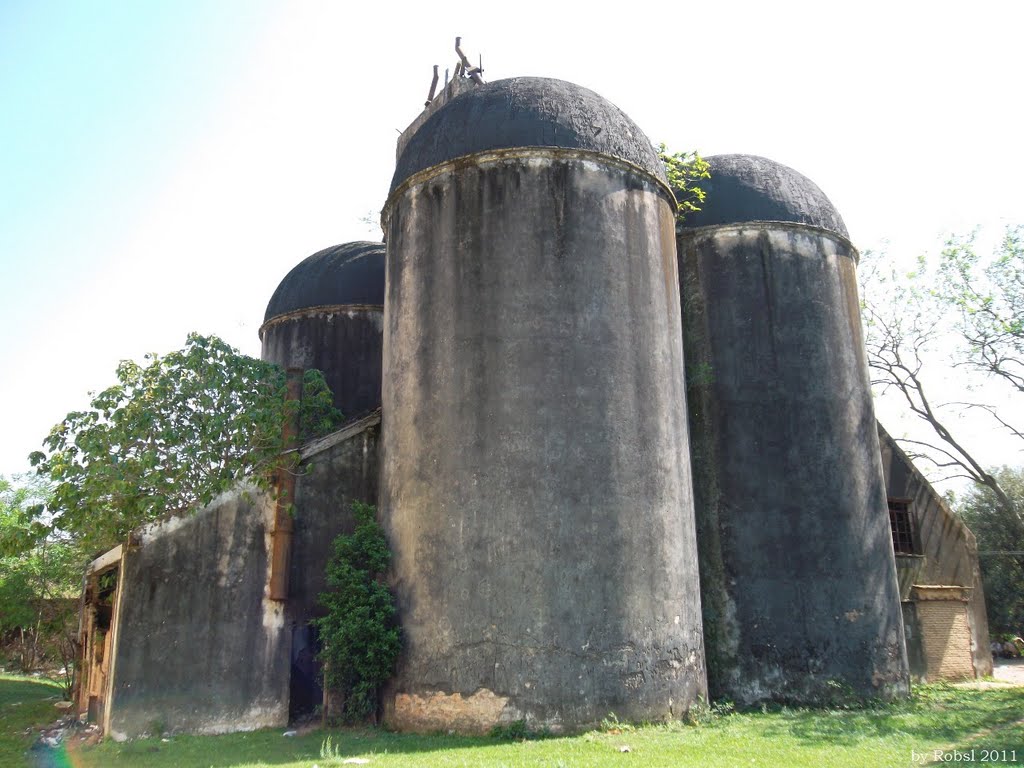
{"points": [[948, 549], [908, 572], [201, 647], [334, 472], [915, 646], [797, 574], [535, 475], [343, 341]]}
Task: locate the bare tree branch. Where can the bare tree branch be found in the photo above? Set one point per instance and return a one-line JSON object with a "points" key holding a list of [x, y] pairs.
{"points": [[972, 309]]}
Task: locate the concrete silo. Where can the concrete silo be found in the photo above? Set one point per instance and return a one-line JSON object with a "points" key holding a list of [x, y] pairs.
{"points": [[535, 475], [797, 573], [327, 314]]}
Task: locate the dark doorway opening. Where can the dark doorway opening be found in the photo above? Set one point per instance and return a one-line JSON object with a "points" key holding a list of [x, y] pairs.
{"points": [[306, 694], [96, 636]]}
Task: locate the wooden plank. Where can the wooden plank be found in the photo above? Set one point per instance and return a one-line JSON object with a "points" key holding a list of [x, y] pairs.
{"points": [[115, 636], [105, 561], [314, 447]]}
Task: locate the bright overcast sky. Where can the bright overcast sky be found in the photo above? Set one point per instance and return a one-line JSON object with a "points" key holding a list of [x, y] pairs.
{"points": [[164, 164]]}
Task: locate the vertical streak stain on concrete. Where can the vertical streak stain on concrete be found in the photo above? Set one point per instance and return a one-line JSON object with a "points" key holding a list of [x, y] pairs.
{"points": [[535, 479]]}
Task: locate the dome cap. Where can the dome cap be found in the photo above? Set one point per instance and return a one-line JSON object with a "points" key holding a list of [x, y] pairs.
{"points": [[351, 273], [526, 112], [746, 188]]}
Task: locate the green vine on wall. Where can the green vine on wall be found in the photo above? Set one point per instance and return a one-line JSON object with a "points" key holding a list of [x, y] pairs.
{"points": [[360, 634]]}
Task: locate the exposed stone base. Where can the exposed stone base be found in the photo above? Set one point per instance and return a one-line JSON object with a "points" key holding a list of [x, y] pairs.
{"points": [[439, 711]]}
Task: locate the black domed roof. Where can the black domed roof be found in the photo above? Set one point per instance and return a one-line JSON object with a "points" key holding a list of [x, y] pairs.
{"points": [[351, 273], [526, 112], [746, 188]]}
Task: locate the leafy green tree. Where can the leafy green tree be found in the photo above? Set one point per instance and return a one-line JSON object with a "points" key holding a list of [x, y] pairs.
{"points": [[22, 505], [39, 580], [1002, 549], [962, 309], [360, 633], [987, 296], [171, 435], [685, 171]]}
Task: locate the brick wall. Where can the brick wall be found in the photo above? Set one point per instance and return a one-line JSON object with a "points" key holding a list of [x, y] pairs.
{"points": [[945, 635]]}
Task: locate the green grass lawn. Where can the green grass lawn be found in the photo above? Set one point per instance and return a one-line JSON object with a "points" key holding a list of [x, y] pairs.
{"points": [[936, 717], [25, 702]]}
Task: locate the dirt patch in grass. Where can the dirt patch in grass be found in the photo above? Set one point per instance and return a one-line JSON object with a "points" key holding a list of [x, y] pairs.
{"points": [[1009, 671]]}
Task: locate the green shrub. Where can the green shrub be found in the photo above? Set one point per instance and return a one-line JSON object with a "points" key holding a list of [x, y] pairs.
{"points": [[514, 731], [360, 632]]}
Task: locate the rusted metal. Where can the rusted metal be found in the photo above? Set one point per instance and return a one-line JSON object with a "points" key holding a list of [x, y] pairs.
{"points": [[281, 534], [473, 73], [433, 88]]}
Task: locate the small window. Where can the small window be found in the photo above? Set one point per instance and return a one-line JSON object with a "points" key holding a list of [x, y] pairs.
{"points": [[902, 530]]}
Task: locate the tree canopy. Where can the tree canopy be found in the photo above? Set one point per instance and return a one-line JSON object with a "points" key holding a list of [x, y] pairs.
{"points": [[170, 435], [964, 309], [22, 508], [39, 579], [1001, 549]]}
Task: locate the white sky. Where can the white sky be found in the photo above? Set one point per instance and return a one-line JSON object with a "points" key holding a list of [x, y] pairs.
{"points": [[163, 165]]}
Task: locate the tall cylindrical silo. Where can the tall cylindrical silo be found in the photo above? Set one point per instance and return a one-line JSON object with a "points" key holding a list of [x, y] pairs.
{"points": [[327, 313], [535, 476], [797, 572]]}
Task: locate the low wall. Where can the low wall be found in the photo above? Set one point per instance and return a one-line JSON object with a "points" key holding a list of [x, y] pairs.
{"points": [[334, 471], [201, 647]]}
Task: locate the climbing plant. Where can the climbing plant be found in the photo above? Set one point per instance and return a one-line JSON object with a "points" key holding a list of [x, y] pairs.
{"points": [[685, 171], [360, 632]]}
